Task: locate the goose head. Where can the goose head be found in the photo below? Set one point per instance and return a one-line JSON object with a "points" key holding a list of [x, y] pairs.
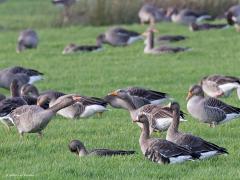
{"points": [[142, 118], [14, 88], [43, 101], [77, 147], [69, 48], [30, 90], [100, 39], [122, 99], [195, 90], [20, 46]]}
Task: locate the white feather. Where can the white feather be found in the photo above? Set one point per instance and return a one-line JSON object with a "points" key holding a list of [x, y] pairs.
{"points": [[133, 39], [7, 120], [179, 159], [238, 92], [34, 79], [92, 109], [201, 18], [208, 154], [230, 117], [228, 87]]}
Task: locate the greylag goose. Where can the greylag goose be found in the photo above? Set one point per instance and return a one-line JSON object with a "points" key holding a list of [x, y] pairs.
{"points": [[84, 108], [160, 117], [171, 38], [9, 104], [140, 97], [73, 48], [33, 118], [209, 110], [193, 143], [27, 39], [23, 75], [67, 4], [233, 16], [29, 90], [206, 26], [187, 16], [220, 85], [150, 49], [150, 14], [78, 147], [159, 150], [119, 37]]}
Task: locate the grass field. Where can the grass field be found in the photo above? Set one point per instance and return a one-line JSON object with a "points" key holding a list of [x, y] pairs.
{"points": [[96, 74]]}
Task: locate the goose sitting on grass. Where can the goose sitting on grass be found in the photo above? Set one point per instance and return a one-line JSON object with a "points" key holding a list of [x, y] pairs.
{"points": [[220, 85], [191, 142], [23, 75], [33, 118], [159, 150], [73, 48], [209, 110], [83, 108], [118, 36], [206, 26], [160, 117], [27, 39], [78, 147], [149, 45]]}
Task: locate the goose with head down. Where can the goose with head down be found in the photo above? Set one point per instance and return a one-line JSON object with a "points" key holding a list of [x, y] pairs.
{"points": [[209, 110], [27, 39], [118, 36], [159, 150], [189, 141], [160, 117], [76, 146], [220, 85]]}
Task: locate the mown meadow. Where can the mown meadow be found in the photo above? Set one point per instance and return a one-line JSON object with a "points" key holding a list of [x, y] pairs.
{"points": [[96, 74]]}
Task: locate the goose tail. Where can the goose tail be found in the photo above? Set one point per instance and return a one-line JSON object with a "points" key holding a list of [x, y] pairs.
{"points": [[204, 17], [238, 92]]}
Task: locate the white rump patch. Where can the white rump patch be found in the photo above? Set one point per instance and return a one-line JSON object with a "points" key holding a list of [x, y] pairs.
{"points": [[133, 39], [227, 88], [208, 154], [34, 79], [179, 159], [230, 117], [92, 109]]}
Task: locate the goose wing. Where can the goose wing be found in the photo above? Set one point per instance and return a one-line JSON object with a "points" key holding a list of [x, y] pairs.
{"points": [[146, 93], [92, 101], [162, 150], [29, 72], [197, 144], [125, 32], [109, 152]]}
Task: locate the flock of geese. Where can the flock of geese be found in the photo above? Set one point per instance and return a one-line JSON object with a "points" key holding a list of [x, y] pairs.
{"points": [[30, 111]]}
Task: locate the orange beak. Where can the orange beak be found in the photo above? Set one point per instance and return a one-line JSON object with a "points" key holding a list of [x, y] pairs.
{"points": [[189, 95], [113, 93], [76, 98]]}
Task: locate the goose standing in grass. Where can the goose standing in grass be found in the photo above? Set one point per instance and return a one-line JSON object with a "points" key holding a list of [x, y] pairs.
{"points": [[159, 150], [233, 16], [73, 48], [160, 117], [27, 39], [209, 110], [140, 97], [193, 143], [206, 26], [220, 85], [67, 4], [23, 75], [150, 49], [84, 108], [150, 14], [78, 147], [187, 16], [119, 37], [33, 118]]}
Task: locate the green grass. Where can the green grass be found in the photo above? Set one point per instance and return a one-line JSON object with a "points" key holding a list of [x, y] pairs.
{"points": [[96, 74]]}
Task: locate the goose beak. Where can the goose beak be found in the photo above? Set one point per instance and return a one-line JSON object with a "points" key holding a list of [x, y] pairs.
{"points": [[113, 93], [76, 98], [189, 95]]}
